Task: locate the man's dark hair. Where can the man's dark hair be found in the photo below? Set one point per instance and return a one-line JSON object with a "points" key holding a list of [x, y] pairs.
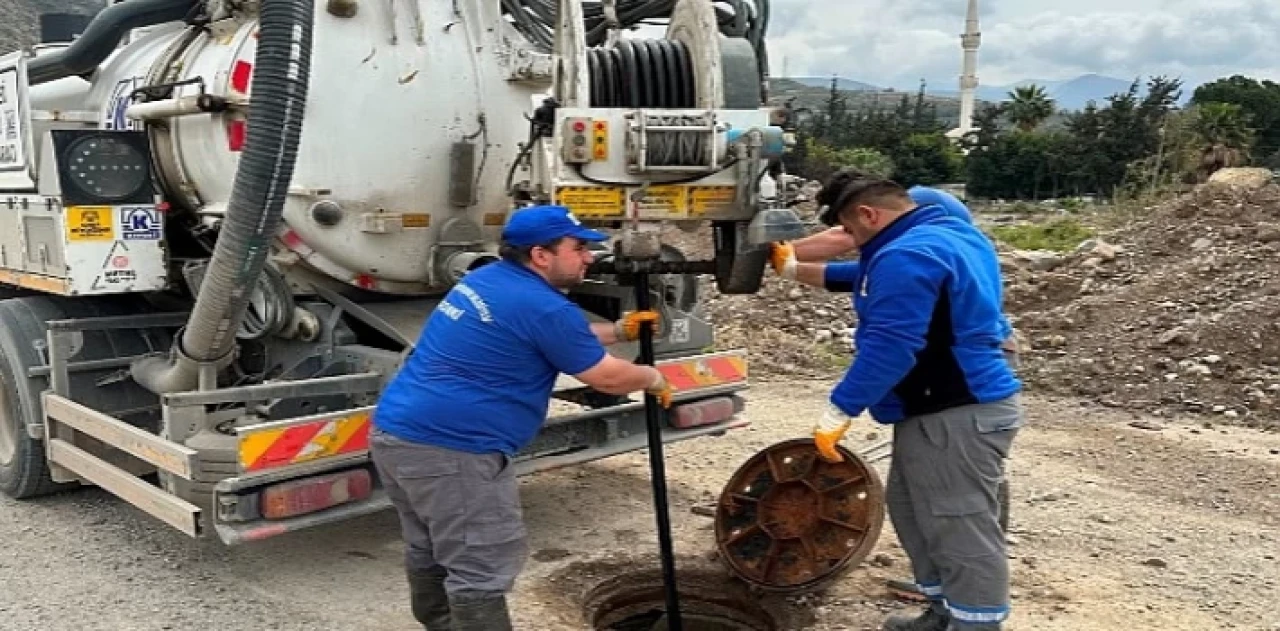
{"points": [[849, 187], [523, 254]]}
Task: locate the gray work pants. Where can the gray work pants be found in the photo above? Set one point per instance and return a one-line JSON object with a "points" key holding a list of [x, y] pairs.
{"points": [[942, 499], [458, 510]]}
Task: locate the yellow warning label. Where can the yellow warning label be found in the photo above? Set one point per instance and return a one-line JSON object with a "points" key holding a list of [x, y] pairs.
{"points": [[90, 223], [416, 220], [711, 199], [662, 201], [591, 201]]}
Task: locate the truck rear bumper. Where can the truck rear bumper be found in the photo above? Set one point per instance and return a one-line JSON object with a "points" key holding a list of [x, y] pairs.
{"points": [[236, 533]]}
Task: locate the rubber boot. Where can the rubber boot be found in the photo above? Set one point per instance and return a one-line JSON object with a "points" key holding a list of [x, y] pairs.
{"points": [[429, 601], [935, 618], [489, 614]]}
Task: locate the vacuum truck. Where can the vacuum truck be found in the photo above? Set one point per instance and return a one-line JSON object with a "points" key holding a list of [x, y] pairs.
{"points": [[223, 224]]}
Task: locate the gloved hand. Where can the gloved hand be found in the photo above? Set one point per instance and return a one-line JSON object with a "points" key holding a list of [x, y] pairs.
{"points": [[661, 389], [782, 256], [829, 431], [628, 328]]}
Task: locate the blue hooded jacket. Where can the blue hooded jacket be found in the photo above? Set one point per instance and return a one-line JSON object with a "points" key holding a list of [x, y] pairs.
{"points": [[925, 196], [928, 296]]}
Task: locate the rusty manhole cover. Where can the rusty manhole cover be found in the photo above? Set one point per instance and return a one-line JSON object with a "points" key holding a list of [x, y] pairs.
{"points": [[790, 521]]}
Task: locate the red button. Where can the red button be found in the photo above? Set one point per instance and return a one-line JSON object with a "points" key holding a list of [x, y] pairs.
{"points": [[579, 126]]}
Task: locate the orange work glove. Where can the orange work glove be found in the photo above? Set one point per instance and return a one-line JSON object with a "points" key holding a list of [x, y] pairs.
{"points": [[661, 389], [828, 433], [782, 256], [628, 328]]}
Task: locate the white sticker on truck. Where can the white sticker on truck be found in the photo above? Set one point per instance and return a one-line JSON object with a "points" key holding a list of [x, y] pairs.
{"points": [[13, 153]]}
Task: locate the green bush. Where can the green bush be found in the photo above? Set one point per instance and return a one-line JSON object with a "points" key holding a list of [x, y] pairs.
{"points": [[1059, 235]]}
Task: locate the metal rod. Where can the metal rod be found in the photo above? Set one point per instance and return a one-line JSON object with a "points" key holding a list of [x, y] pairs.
{"points": [[653, 416]]}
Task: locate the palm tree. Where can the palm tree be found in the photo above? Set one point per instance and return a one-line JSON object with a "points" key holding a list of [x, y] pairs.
{"points": [[1030, 106], [1224, 136]]}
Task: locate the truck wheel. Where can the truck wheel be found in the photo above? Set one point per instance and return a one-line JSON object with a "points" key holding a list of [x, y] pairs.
{"points": [[23, 470]]}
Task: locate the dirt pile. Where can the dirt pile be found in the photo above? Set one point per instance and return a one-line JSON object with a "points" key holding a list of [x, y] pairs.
{"points": [[1178, 311]]}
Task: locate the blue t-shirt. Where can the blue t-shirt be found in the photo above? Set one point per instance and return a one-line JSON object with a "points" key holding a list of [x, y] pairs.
{"points": [[481, 376]]}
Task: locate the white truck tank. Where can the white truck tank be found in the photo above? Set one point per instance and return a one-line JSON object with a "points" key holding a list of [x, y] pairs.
{"points": [[377, 166]]}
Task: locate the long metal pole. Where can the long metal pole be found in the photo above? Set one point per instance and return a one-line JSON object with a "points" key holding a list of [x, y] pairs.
{"points": [[657, 466]]}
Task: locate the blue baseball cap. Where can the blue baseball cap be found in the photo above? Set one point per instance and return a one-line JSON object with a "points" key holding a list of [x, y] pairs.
{"points": [[537, 225]]}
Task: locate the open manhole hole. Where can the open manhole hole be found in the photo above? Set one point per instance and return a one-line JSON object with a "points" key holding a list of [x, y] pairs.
{"points": [[709, 601]]}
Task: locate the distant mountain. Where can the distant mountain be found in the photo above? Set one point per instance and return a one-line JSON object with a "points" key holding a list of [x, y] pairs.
{"points": [[841, 84]]}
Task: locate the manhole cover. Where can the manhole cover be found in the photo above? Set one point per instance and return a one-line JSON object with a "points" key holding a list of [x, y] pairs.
{"points": [[790, 521], [635, 601]]}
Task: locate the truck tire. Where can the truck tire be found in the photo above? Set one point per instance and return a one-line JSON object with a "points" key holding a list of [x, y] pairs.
{"points": [[23, 470]]}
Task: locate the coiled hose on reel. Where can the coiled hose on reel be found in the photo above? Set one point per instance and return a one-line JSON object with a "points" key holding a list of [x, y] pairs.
{"points": [[642, 73], [652, 73]]}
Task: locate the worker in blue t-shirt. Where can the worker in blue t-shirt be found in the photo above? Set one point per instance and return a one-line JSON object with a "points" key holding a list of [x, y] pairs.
{"points": [[473, 393], [927, 295]]}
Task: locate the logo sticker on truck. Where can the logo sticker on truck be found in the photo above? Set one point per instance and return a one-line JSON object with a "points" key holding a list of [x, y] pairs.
{"points": [[139, 223]]}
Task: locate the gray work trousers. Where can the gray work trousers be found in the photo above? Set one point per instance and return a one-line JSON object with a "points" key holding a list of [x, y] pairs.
{"points": [[458, 510], [942, 499]]}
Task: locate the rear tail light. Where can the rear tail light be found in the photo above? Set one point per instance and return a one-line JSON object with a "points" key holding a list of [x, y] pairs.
{"points": [[704, 412], [308, 495]]}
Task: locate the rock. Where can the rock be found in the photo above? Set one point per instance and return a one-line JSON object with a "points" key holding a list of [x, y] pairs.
{"points": [[1156, 562], [1176, 336], [1201, 244], [882, 560], [1268, 232], [1038, 260], [1241, 177]]}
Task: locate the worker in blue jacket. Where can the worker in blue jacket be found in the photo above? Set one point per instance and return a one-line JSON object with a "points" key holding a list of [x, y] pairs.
{"points": [[789, 258], [474, 393], [928, 294]]}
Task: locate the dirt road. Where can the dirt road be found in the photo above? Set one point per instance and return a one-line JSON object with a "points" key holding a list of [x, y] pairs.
{"points": [[1171, 526]]}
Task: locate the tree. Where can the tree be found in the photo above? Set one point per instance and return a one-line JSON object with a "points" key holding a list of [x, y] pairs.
{"points": [[1029, 106], [824, 160], [1224, 135], [1259, 100], [926, 159]]}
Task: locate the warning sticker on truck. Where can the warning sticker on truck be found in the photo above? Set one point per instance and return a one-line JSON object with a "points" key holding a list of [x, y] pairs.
{"points": [[711, 199], [90, 223], [591, 201], [662, 201], [13, 138]]}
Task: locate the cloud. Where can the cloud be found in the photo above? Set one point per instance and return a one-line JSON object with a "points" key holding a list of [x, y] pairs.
{"points": [[890, 42]]}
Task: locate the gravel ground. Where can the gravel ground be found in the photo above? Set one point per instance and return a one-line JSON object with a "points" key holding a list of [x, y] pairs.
{"points": [[1170, 524]]}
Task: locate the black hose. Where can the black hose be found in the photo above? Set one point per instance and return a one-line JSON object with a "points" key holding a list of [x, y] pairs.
{"points": [[642, 73], [280, 77], [103, 35]]}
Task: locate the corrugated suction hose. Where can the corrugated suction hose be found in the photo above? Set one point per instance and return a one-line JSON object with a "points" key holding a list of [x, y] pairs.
{"points": [[280, 77]]}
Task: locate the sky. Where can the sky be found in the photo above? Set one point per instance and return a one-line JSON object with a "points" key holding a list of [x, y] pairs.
{"points": [[899, 42]]}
